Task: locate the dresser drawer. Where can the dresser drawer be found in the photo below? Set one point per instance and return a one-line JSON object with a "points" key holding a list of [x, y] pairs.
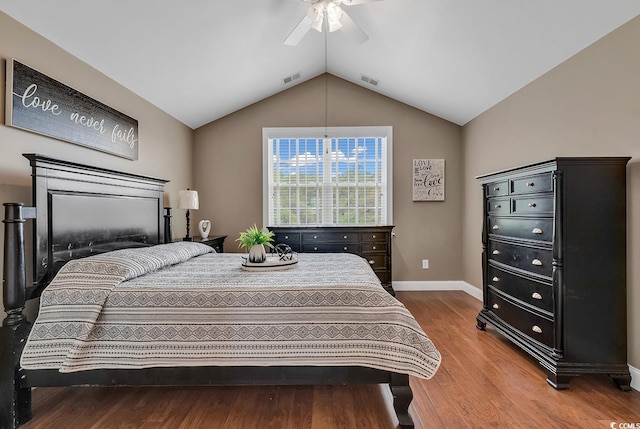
{"points": [[535, 293], [374, 237], [377, 262], [498, 206], [531, 229], [373, 247], [324, 237], [532, 325], [284, 237], [532, 184], [292, 239], [535, 205], [498, 189], [531, 259], [331, 248]]}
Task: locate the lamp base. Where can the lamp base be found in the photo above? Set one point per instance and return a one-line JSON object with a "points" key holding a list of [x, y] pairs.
{"points": [[187, 239]]}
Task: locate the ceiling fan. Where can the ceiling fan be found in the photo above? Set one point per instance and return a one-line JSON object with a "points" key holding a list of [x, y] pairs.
{"points": [[331, 13]]}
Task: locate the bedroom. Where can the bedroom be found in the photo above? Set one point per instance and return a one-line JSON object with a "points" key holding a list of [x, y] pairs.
{"points": [[585, 106]]}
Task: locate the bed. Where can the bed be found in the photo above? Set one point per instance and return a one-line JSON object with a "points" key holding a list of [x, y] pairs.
{"points": [[99, 234]]}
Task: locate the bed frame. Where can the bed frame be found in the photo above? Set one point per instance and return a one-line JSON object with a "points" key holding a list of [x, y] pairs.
{"points": [[79, 211]]}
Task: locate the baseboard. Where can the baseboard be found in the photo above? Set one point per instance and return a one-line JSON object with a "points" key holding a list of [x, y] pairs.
{"points": [[476, 293], [438, 285], [635, 378]]}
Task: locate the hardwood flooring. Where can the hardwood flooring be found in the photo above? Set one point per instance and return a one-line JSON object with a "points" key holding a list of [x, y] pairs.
{"points": [[484, 382]]}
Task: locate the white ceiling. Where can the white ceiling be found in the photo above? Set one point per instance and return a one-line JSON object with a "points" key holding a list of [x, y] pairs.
{"points": [[199, 60]]}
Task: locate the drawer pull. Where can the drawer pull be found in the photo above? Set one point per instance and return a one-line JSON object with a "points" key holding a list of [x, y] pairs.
{"points": [[315, 248], [495, 279], [532, 205], [373, 236], [498, 206], [496, 306], [344, 236], [286, 237], [373, 248], [371, 262], [536, 329], [536, 262], [496, 252], [345, 248], [530, 184], [315, 236], [536, 295], [495, 227], [497, 188], [536, 231]]}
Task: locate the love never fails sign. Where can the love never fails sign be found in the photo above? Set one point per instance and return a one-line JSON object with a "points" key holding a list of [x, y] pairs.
{"points": [[38, 103]]}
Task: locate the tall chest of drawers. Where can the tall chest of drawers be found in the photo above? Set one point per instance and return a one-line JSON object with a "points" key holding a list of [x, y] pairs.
{"points": [[554, 265], [371, 242]]}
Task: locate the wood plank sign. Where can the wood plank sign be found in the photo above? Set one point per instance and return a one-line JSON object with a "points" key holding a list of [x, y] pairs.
{"points": [[38, 103]]}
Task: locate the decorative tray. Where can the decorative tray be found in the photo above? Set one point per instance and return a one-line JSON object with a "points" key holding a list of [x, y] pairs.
{"points": [[273, 263]]}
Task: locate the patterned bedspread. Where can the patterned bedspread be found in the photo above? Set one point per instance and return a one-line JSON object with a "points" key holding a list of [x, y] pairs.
{"points": [[179, 305]]}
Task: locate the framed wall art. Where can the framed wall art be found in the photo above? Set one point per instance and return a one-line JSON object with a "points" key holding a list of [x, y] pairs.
{"points": [[428, 180]]}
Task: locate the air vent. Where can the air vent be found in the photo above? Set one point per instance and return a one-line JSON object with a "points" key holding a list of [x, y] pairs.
{"points": [[291, 78], [369, 80]]}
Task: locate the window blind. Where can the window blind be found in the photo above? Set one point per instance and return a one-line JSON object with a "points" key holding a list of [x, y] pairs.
{"points": [[338, 179]]}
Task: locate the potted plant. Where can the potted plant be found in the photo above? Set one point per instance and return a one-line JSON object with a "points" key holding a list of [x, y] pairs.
{"points": [[254, 240]]}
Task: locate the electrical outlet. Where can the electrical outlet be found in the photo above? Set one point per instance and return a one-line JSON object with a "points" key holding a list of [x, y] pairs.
{"points": [[425, 264]]}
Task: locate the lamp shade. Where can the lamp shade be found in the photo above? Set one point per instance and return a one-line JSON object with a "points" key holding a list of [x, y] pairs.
{"points": [[188, 200]]}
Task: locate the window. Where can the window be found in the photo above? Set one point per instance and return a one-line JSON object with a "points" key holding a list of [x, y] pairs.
{"points": [[337, 176]]}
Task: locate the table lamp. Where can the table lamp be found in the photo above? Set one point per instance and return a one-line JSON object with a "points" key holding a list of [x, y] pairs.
{"points": [[188, 199]]}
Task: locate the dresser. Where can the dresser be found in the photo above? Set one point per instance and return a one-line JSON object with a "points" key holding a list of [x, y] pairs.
{"points": [[371, 242], [554, 265]]}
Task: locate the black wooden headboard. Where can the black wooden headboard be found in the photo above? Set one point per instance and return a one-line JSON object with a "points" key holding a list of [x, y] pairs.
{"points": [[83, 210]]}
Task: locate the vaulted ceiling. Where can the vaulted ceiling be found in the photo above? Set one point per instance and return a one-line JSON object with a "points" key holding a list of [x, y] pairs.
{"points": [[200, 60]]}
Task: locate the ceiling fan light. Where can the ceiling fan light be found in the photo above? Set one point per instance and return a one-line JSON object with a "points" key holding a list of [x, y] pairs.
{"points": [[334, 26], [334, 13], [317, 25], [316, 14]]}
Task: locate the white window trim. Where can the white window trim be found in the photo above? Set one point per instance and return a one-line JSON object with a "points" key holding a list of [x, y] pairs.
{"points": [[311, 132]]}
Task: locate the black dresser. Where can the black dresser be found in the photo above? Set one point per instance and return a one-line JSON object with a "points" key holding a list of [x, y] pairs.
{"points": [[554, 265], [370, 242]]}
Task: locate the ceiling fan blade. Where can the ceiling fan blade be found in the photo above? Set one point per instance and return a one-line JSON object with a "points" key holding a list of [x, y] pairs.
{"points": [[352, 29], [354, 2], [298, 32]]}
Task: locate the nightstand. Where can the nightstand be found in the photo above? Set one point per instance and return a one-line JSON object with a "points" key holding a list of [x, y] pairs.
{"points": [[215, 241]]}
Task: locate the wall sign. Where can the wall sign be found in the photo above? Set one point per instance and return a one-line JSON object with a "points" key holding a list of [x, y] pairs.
{"points": [[428, 180], [38, 103]]}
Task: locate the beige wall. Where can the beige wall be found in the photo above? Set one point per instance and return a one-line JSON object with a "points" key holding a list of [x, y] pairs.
{"points": [[587, 106], [228, 168], [165, 145]]}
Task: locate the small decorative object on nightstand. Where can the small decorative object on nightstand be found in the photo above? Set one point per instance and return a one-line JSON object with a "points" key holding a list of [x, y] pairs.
{"points": [[188, 200], [204, 227]]}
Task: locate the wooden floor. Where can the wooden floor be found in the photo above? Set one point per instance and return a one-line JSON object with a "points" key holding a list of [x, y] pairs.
{"points": [[484, 382]]}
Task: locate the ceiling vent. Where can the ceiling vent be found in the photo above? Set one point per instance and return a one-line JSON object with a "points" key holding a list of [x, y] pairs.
{"points": [[291, 78], [369, 80]]}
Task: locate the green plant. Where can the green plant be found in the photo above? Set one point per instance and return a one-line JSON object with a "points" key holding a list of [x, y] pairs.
{"points": [[254, 235]]}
